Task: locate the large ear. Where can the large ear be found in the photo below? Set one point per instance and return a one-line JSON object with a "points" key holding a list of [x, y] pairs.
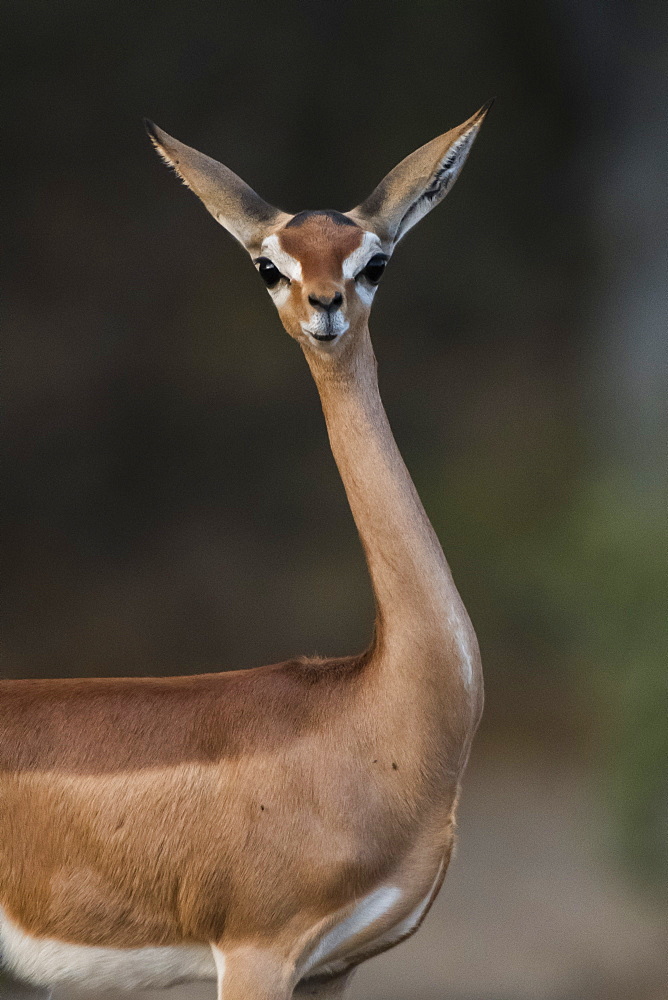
{"points": [[229, 199], [419, 182]]}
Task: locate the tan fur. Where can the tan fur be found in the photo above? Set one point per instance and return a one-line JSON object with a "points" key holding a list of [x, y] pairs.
{"points": [[320, 246], [254, 810]]}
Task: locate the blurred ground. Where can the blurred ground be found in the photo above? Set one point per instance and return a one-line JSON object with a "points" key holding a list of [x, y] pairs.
{"points": [[528, 911]]}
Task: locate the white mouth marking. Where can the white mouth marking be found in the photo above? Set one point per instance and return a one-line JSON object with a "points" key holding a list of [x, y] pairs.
{"points": [[322, 326]]}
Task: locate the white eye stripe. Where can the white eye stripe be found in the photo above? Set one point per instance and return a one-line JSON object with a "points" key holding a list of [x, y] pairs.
{"points": [[355, 261], [286, 264]]}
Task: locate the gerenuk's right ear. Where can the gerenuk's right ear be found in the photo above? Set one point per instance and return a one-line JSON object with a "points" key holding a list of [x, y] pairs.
{"points": [[230, 200]]}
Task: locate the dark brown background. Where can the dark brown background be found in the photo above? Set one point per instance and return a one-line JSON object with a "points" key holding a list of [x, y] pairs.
{"points": [[170, 502]]}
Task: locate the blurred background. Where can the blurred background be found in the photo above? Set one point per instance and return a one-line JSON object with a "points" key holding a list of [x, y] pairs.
{"points": [[170, 501]]}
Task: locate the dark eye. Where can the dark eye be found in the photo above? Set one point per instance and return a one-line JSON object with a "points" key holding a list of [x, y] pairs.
{"points": [[373, 272], [268, 272]]}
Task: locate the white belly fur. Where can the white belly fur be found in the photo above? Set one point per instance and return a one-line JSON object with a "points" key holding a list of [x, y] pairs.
{"points": [[47, 962]]}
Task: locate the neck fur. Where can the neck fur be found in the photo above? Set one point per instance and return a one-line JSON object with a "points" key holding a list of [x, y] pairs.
{"points": [[422, 625]]}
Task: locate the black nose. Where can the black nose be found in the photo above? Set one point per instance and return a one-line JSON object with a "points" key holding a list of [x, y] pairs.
{"points": [[329, 305]]}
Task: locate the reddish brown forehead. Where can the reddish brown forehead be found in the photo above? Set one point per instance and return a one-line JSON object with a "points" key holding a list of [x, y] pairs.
{"points": [[320, 241]]}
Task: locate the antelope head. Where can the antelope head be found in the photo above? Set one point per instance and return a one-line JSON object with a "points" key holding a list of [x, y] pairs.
{"points": [[322, 268]]}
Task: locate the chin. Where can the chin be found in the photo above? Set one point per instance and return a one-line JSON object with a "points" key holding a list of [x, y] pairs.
{"points": [[325, 332]]}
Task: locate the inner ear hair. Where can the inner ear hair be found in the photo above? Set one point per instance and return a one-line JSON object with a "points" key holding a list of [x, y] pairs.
{"points": [[419, 182], [443, 179]]}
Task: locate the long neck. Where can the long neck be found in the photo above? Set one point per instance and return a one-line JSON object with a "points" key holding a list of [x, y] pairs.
{"points": [[421, 622]]}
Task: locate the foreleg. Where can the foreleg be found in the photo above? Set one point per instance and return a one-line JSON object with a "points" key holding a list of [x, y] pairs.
{"points": [[252, 974]]}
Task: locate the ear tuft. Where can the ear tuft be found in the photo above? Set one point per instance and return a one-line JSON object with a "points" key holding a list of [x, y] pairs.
{"points": [[160, 141]]}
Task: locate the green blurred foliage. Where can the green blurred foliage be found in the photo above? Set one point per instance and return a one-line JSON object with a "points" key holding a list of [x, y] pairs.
{"points": [[607, 584]]}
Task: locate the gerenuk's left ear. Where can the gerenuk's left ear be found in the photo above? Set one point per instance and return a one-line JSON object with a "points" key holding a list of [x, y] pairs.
{"points": [[419, 182], [229, 199]]}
